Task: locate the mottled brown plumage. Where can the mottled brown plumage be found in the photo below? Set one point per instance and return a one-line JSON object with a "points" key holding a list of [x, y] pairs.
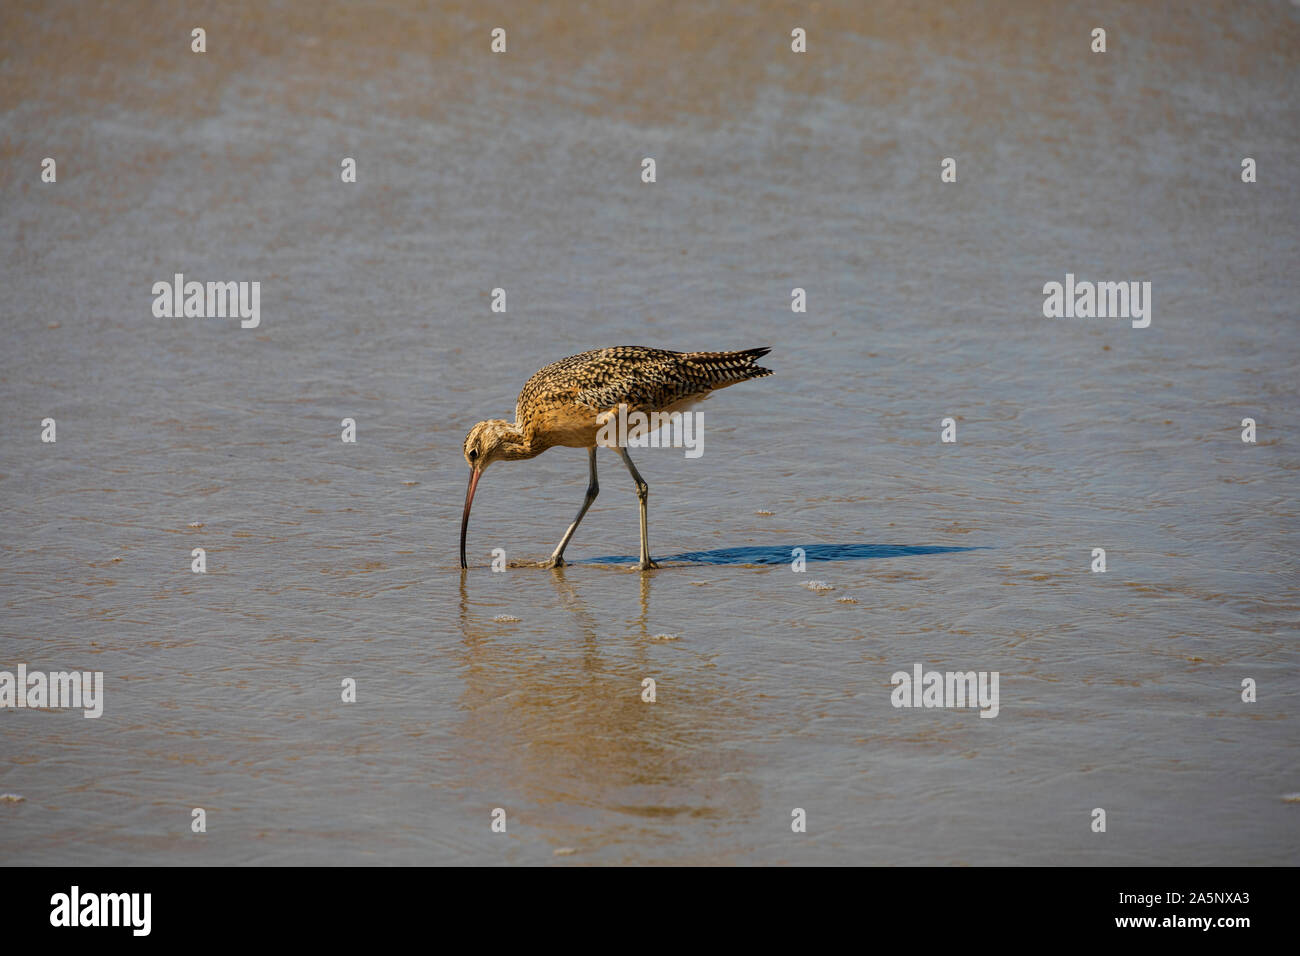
{"points": [[562, 405]]}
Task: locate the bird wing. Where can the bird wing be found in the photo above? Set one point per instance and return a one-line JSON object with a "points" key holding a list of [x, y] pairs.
{"points": [[644, 379], [653, 382]]}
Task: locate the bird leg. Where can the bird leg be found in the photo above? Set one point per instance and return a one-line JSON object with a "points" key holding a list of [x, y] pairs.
{"points": [[642, 493], [593, 489]]}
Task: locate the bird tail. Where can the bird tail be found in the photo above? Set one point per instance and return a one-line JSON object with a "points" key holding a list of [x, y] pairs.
{"points": [[728, 368]]}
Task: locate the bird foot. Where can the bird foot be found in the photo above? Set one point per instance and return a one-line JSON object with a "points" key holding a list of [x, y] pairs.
{"points": [[648, 566], [556, 561]]}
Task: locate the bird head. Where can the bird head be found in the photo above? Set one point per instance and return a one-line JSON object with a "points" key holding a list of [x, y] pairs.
{"points": [[486, 442], [489, 441]]}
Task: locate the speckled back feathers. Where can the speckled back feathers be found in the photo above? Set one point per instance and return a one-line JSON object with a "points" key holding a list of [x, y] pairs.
{"points": [[558, 405]]}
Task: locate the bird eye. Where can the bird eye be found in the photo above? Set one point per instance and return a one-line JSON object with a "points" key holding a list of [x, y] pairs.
{"points": [[473, 453]]}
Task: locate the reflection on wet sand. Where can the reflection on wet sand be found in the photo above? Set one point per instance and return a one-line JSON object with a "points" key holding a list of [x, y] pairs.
{"points": [[560, 723]]}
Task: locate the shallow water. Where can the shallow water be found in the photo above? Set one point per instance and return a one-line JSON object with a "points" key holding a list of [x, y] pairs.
{"points": [[328, 560]]}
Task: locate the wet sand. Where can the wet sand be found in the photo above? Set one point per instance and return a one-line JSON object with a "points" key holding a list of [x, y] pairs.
{"points": [[329, 560]]}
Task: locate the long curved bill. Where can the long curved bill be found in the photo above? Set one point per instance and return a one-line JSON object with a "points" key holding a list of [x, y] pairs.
{"points": [[464, 521]]}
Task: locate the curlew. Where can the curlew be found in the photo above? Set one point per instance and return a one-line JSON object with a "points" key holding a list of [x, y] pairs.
{"points": [[566, 403]]}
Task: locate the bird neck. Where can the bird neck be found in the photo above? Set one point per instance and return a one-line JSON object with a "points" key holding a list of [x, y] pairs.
{"points": [[514, 444]]}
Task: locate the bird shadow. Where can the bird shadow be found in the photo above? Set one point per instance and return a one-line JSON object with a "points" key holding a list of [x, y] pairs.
{"points": [[784, 555]]}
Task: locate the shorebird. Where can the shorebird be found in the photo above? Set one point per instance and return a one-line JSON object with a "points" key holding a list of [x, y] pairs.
{"points": [[566, 404]]}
